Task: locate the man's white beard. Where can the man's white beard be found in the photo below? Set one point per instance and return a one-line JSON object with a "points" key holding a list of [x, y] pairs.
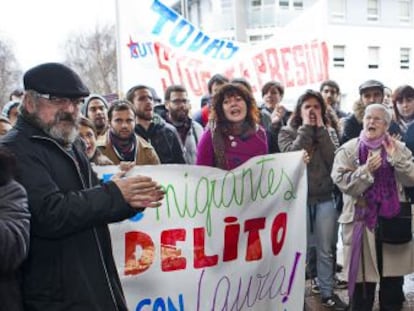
{"points": [[64, 134]]}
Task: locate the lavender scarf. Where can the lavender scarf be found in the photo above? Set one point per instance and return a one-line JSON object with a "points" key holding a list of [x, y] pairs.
{"points": [[380, 199]]}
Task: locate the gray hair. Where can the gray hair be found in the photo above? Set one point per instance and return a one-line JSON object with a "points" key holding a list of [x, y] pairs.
{"points": [[385, 111]]}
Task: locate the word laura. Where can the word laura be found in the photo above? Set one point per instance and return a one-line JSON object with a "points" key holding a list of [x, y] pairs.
{"points": [[246, 294], [222, 294]]}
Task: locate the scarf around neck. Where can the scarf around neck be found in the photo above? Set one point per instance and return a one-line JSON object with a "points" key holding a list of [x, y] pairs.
{"points": [[382, 197], [124, 149]]}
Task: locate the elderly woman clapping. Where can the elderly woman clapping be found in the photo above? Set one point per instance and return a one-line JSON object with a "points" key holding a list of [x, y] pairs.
{"points": [[370, 171]]}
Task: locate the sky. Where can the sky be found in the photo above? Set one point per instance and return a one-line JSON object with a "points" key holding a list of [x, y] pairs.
{"points": [[37, 29]]}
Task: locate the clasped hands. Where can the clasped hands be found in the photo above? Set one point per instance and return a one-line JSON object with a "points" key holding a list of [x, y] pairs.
{"points": [[374, 159]]}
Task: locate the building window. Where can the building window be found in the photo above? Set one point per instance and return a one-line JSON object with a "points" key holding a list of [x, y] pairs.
{"points": [[284, 4], [255, 38], [338, 9], [405, 11], [373, 10], [339, 56], [256, 3], [405, 58], [298, 5], [373, 57]]}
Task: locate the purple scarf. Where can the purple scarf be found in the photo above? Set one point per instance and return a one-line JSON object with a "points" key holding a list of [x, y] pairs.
{"points": [[379, 199]]}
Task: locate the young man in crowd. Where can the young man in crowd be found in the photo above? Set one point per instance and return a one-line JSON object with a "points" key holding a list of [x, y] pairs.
{"points": [[150, 126], [189, 131], [215, 82], [122, 144], [95, 108]]}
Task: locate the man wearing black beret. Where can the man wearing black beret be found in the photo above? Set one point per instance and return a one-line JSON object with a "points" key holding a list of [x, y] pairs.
{"points": [[70, 264]]}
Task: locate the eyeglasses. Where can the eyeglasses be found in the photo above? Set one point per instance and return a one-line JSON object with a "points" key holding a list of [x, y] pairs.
{"points": [[180, 101], [62, 100], [374, 119]]}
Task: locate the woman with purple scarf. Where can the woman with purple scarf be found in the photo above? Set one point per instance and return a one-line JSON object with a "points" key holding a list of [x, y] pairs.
{"points": [[370, 171]]}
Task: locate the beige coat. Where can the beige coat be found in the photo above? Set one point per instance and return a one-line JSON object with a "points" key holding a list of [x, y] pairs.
{"points": [[145, 153], [398, 259]]}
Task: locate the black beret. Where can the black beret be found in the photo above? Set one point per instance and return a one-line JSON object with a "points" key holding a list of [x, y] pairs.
{"points": [[55, 79], [369, 85]]}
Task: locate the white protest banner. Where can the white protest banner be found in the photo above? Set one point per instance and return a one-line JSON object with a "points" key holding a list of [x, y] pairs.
{"points": [[158, 47], [222, 240]]}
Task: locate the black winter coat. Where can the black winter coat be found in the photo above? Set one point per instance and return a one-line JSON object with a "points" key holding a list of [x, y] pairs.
{"points": [[70, 264], [14, 243], [165, 140]]}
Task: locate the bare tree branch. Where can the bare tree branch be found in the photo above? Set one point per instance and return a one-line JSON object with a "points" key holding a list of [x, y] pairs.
{"points": [[93, 56]]}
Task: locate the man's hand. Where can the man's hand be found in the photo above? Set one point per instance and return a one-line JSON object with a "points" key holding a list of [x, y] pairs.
{"points": [[140, 191]]}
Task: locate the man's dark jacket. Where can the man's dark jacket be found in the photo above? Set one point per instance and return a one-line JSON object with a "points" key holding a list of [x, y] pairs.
{"points": [[70, 264], [165, 140]]}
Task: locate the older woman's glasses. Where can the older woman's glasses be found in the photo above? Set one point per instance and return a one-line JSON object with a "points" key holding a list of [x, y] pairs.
{"points": [[374, 119]]}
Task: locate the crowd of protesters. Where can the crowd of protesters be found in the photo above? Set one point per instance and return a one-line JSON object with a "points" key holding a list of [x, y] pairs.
{"points": [[54, 132]]}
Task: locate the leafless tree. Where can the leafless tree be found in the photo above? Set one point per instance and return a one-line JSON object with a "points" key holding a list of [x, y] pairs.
{"points": [[10, 72], [93, 56]]}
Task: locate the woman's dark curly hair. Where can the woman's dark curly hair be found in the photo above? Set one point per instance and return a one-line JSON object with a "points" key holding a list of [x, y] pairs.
{"points": [[234, 89], [7, 166], [296, 118]]}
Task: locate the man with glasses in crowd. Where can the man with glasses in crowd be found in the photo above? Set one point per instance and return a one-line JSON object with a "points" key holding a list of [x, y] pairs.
{"points": [[189, 131], [70, 264]]}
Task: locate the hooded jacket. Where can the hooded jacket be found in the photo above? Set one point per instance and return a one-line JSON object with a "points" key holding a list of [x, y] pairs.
{"points": [[165, 140], [7, 107], [70, 264], [84, 107]]}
